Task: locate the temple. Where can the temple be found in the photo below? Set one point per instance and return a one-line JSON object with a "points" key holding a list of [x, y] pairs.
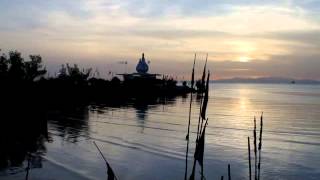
{"points": [[142, 66], [142, 69], [142, 83]]}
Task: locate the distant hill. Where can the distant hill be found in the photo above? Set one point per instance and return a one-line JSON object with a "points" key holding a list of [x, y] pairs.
{"points": [[268, 80]]}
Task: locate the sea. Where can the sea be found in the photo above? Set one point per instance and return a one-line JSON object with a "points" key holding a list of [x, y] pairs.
{"points": [[147, 140]]}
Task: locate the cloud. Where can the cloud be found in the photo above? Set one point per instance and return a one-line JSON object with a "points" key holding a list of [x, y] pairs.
{"points": [[272, 34], [306, 37]]}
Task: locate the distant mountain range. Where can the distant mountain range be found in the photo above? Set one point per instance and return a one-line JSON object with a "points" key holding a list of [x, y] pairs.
{"points": [[270, 80]]}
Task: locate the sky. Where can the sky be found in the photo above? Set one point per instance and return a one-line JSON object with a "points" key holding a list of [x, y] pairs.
{"points": [[243, 38]]}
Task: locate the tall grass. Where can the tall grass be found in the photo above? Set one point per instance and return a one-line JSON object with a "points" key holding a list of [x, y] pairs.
{"points": [[229, 172], [188, 133], [256, 150], [260, 145], [249, 157], [202, 123], [28, 166]]}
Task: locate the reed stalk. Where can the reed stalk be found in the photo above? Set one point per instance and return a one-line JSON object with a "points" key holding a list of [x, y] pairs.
{"points": [[202, 176], [255, 148], [188, 133], [187, 138], [249, 157], [28, 167], [205, 102], [202, 93], [198, 129], [194, 159], [260, 145], [105, 160], [229, 172]]}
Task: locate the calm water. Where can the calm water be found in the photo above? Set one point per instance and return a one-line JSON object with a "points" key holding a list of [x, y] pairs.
{"points": [[148, 141]]}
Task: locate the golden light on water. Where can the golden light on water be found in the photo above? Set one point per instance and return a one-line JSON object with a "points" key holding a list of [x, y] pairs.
{"points": [[243, 59], [243, 105]]}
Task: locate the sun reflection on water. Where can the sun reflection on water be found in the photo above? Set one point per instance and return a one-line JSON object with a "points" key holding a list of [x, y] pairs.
{"points": [[243, 106]]}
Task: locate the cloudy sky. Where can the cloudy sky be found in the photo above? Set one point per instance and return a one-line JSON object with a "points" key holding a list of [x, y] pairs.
{"points": [[244, 38]]}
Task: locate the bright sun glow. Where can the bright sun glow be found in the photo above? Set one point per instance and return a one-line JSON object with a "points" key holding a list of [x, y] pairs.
{"points": [[243, 59]]}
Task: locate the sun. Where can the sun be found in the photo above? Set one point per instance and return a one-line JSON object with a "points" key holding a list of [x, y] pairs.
{"points": [[243, 59]]}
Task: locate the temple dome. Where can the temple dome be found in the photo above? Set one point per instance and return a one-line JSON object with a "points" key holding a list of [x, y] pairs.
{"points": [[142, 66]]}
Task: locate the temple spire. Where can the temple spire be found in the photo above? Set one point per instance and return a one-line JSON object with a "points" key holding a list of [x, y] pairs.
{"points": [[142, 67]]}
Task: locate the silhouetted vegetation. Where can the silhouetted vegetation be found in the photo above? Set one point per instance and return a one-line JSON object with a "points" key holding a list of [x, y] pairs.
{"points": [[23, 123], [73, 85], [14, 69]]}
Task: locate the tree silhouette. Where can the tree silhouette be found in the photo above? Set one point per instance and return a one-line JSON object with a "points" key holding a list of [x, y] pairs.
{"points": [[33, 68], [3, 66], [16, 69], [16, 66], [77, 74], [62, 72]]}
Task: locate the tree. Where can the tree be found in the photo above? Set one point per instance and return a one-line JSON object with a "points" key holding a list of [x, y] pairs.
{"points": [[77, 74], [34, 68], [3, 66], [74, 74], [62, 72], [16, 69]]}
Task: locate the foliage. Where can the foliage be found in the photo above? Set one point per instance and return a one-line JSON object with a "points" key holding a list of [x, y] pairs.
{"points": [[34, 68], [14, 68]]}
